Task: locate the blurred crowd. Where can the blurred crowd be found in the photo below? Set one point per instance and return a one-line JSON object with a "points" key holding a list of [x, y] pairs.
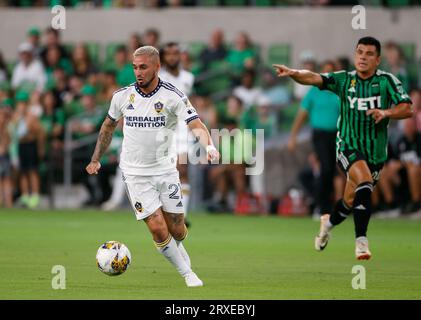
{"points": [[190, 3], [57, 94]]}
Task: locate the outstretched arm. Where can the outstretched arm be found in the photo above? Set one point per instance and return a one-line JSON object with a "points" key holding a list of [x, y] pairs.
{"points": [[305, 77], [200, 131], [401, 111], [104, 139]]}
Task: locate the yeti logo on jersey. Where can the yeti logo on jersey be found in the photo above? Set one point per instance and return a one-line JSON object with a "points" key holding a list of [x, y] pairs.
{"points": [[363, 104], [138, 207], [158, 107]]}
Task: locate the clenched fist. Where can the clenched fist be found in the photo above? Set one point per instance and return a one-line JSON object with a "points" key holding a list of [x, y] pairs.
{"points": [[93, 167]]}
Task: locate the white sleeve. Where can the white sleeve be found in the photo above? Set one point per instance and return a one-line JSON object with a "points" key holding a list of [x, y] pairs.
{"points": [[114, 112], [184, 110]]}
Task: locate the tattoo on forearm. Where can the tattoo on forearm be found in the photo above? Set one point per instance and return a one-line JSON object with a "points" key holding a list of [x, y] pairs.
{"points": [[104, 139]]}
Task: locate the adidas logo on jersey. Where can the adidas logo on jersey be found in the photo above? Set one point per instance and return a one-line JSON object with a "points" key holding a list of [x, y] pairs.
{"points": [[352, 89], [360, 207], [130, 107], [179, 205]]}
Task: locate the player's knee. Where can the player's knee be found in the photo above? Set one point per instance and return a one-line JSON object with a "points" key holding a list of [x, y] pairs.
{"points": [[159, 231], [179, 233], [363, 194]]}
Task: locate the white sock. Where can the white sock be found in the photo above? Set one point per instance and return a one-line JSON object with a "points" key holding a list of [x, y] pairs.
{"points": [[185, 191], [170, 251], [183, 252], [328, 225]]}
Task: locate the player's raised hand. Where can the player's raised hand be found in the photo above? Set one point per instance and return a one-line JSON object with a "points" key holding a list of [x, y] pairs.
{"points": [[377, 114], [93, 167], [282, 70]]}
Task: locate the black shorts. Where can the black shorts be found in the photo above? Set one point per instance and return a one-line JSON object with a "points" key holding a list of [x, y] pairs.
{"points": [[5, 166], [28, 156], [348, 157]]}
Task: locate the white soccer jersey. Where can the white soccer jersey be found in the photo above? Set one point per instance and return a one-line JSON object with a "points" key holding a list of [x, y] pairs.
{"points": [[149, 122]]}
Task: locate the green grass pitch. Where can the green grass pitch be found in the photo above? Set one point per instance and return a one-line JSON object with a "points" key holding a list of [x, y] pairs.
{"points": [[236, 257]]}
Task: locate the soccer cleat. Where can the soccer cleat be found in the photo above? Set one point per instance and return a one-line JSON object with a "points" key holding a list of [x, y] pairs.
{"points": [[322, 238], [192, 280], [361, 249]]}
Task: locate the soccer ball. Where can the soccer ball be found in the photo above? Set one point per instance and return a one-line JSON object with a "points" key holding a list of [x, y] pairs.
{"points": [[113, 258]]}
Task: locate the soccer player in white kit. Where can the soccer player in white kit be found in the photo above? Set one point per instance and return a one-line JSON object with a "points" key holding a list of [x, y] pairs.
{"points": [[172, 72], [150, 108]]}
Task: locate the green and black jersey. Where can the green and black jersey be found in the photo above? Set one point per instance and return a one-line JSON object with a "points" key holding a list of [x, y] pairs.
{"points": [[356, 130]]}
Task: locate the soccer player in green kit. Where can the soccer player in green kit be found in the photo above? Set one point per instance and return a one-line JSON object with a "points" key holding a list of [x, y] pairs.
{"points": [[366, 95]]}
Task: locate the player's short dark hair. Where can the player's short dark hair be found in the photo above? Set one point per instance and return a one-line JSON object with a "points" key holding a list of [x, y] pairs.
{"points": [[370, 41]]}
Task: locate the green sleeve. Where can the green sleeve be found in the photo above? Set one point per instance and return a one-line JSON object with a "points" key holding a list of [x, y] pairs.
{"points": [[396, 91], [334, 81]]}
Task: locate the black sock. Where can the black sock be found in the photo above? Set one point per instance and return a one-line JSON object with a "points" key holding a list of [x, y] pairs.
{"points": [[340, 213], [362, 208]]}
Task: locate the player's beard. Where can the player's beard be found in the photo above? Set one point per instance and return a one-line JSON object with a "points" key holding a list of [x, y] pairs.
{"points": [[147, 84]]}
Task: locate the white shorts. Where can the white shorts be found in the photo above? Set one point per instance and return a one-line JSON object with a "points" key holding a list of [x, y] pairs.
{"points": [[148, 193]]}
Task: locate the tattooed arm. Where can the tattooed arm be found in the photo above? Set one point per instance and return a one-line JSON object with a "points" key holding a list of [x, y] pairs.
{"points": [[104, 139]]}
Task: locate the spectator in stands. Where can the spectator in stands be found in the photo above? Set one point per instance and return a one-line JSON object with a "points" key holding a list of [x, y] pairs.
{"points": [[6, 191], [409, 152], [52, 39], [403, 170], [342, 63], [60, 87], [123, 68], [72, 97], [384, 200], [82, 63], [416, 104], [206, 111], [395, 63], [242, 56], [53, 60], [109, 86], [82, 125], [274, 90], [52, 121], [187, 62], [4, 72], [215, 51], [223, 175], [135, 41], [33, 37], [29, 71], [234, 109], [28, 131], [247, 91], [322, 109], [151, 37]]}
